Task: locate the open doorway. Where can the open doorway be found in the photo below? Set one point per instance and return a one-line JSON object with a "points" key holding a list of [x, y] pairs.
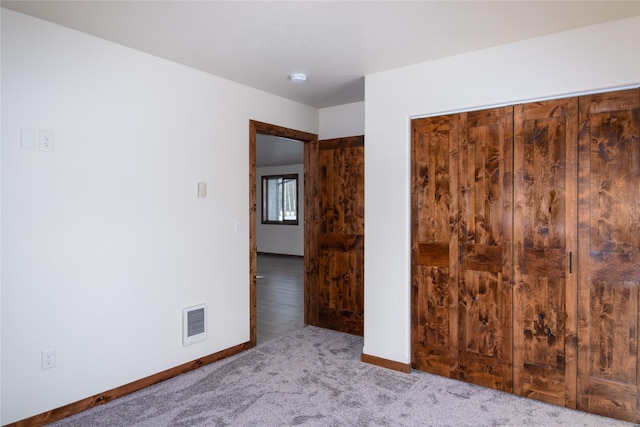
{"points": [[279, 236], [310, 153]]}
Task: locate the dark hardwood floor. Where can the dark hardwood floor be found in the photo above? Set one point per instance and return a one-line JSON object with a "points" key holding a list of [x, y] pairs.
{"points": [[280, 296]]}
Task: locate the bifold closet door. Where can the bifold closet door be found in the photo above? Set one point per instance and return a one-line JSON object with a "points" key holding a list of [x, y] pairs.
{"points": [[462, 173], [526, 250], [545, 230], [609, 259], [434, 244], [485, 248]]}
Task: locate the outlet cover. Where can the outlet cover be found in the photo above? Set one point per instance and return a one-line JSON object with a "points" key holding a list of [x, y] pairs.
{"points": [[48, 359], [46, 140]]}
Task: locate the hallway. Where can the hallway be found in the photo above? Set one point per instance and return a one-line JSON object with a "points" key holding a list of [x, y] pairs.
{"points": [[280, 296]]}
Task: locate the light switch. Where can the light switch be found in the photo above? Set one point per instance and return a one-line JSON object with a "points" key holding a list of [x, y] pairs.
{"points": [[28, 139], [46, 140], [202, 189]]}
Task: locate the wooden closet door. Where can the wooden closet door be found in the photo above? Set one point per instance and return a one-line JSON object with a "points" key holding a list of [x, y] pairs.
{"points": [[341, 236], [545, 230], [434, 248], [485, 252], [609, 259]]}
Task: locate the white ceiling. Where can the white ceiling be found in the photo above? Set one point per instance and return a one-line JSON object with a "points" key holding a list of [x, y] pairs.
{"points": [[337, 43], [276, 151]]}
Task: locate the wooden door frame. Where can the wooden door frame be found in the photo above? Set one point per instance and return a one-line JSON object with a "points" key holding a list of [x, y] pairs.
{"points": [[311, 223]]}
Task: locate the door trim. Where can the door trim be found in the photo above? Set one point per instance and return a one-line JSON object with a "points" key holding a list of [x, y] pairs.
{"points": [[312, 209]]}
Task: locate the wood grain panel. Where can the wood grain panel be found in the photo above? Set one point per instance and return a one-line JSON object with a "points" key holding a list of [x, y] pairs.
{"points": [[545, 262], [434, 244], [341, 143], [614, 266], [340, 242], [311, 232], [609, 232], [485, 218], [545, 228], [611, 399], [611, 303], [434, 254], [482, 257]]}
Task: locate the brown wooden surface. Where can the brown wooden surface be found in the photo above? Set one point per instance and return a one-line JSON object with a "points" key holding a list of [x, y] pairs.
{"points": [[609, 245], [311, 216], [434, 245], [311, 231], [485, 235], [386, 363], [109, 395], [569, 331], [545, 311], [340, 246]]}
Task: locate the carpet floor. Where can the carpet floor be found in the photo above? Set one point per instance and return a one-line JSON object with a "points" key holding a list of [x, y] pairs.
{"points": [[314, 377]]}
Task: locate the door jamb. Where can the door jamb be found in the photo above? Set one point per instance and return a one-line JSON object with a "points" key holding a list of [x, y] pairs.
{"points": [[311, 223]]}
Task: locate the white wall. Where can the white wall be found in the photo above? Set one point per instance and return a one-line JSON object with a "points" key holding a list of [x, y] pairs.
{"points": [[104, 240], [275, 238], [342, 120], [588, 59]]}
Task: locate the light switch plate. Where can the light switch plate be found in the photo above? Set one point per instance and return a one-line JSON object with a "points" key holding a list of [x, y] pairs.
{"points": [[202, 189], [28, 139]]}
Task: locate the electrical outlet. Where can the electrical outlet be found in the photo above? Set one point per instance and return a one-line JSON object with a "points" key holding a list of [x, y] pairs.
{"points": [[46, 140], [48, 359]]}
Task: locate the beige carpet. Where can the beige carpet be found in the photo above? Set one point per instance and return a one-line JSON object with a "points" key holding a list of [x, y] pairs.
{"points": [[314, 377]]}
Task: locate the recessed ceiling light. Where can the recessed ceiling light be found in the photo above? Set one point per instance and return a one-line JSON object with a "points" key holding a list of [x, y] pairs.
{"points": [[298, 78]]}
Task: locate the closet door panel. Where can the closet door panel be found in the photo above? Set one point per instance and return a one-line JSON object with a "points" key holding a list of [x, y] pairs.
{"points": [[609, 266], [545, 229], [484, 288], [434, 244]]}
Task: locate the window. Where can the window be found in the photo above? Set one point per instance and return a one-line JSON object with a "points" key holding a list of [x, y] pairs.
{"points": [[280, 199]]}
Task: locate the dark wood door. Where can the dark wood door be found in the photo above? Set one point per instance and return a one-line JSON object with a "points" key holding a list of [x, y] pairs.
{"points": [[462, 173], [434, 247], [340, 294], [485, 248], [545, 229], [609, 262], [526, 250]]}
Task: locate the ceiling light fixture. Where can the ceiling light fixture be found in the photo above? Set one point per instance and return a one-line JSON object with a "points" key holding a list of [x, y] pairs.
{"points": [[298, 78]]}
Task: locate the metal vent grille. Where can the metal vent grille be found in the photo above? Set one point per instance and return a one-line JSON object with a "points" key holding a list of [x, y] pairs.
{"points": [[194, 320]]}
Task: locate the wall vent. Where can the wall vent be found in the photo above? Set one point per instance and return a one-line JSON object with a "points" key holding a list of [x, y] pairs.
{"points": [[194, 321]]}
